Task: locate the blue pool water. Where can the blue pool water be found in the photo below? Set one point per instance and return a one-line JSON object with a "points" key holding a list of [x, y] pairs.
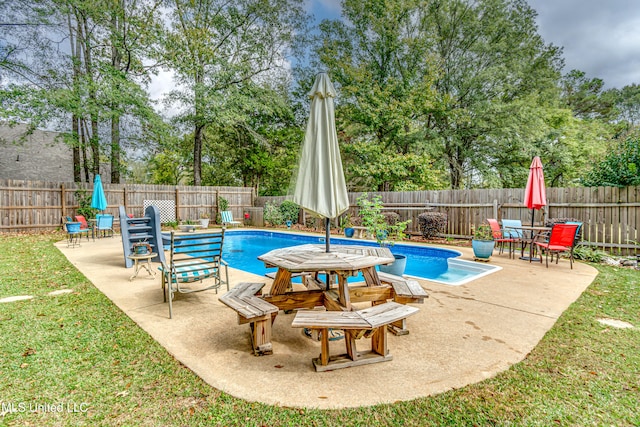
{"points": [[242, 248]]}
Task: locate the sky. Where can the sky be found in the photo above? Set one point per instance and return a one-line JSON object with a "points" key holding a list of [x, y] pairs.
{"points": [[599, 37]]}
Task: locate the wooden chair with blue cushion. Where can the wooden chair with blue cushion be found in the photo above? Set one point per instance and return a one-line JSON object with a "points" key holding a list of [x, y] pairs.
{"points": [[193, 257]]}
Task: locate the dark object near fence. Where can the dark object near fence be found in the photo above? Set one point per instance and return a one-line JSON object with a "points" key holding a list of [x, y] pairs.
{"points": [[432, 223]]}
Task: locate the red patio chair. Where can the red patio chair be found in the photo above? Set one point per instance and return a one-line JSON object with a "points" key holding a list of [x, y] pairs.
{"points": [[562, 239], [499, 238], [84, 227]]}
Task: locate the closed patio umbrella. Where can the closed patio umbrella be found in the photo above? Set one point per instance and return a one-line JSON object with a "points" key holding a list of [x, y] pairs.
{"points": [[98, 199], [535, 195], [320, 186]]}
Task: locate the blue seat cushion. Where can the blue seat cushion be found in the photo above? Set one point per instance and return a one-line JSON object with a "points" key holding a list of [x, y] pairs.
{"points": [[193, 273]]}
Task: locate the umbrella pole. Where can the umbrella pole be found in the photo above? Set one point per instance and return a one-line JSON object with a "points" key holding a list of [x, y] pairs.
{"points": [[327, 226]]}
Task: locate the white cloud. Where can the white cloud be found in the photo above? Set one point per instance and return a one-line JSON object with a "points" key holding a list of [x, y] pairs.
{"points": [[597, 37]]}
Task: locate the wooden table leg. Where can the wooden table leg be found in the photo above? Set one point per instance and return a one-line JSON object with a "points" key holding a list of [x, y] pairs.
{"points": [[343, 291], [281, 283]]}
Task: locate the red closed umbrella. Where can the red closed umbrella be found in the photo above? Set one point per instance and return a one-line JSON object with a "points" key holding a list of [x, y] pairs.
{"points": [[535, 195]]}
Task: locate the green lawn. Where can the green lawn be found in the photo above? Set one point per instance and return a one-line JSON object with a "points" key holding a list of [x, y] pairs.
{"points": [[79, 353]]}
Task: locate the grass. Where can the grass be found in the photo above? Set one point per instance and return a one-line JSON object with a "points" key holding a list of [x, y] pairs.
{"points": [[78, 352]]}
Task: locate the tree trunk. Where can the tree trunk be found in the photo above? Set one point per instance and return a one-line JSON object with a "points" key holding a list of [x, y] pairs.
{"points": [[115, 149], [197, 155], [77, 176]]}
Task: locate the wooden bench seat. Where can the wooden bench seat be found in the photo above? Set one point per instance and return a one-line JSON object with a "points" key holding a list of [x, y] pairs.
{"points": [[405, 291], [252, 309], [369, 322]]}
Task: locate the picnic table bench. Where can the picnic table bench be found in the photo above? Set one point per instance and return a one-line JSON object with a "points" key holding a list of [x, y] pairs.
{"points": [[369, 322], [252, 309], [405, 291]]}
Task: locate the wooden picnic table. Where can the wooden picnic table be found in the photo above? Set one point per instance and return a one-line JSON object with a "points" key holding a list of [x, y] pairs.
{"points": [[343, 261]]}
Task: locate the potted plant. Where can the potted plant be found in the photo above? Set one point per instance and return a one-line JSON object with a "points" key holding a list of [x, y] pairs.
{"points": [[482, 243], [204, 220], [347, 226], [385, 232]]}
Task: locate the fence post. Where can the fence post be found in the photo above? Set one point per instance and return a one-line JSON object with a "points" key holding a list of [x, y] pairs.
{"points": [[177, 205], [495, 208], [62, 204], [124, 198]]}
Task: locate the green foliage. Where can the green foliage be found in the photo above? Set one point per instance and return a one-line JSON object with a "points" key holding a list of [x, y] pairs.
{"points": [[370, 210], [223, 204], [83, 197], [432, 223], [289, 211], [345, 221], [459, 82], [273, 215], [218, 56], [373, 166], [483, 232], [620, 168], [589, 253]]}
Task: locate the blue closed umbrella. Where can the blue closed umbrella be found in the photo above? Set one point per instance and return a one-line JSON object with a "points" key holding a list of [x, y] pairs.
{"points": [[98, 199]]}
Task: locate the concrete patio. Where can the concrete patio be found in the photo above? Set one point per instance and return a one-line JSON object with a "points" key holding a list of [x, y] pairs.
{"points": [[461, 335]]}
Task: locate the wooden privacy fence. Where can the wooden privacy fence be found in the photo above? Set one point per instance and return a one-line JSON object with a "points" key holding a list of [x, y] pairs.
{"points": [[611, 215], [39, 205]]}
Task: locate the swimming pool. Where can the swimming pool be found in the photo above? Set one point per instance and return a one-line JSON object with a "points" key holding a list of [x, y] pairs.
{"points": [[242, 248]]}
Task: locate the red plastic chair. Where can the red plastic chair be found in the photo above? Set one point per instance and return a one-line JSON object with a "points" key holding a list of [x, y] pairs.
{"points": [[562, 239], [499, 238]]}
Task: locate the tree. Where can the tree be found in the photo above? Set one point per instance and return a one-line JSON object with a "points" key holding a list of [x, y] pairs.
{"points": [[215, 45], [586, 97], [453, 80], [83, 84], [620, 167], [379, 63], [495, 76]]}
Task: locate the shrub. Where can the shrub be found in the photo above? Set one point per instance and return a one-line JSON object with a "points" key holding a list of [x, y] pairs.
{"points": [[589, 253], [432, 223], [391, 218], [84, 204], [289, 211], [377, 223], [272, 214]]}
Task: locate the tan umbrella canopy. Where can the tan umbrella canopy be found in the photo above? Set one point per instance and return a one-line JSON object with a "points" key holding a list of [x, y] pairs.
{"points": [[320, 186]]}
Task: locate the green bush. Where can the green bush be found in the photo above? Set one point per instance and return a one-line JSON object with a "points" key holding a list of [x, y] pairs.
{"points": [[272, 214], [289, 211], [589, 253], [377, 223], [432, 223], [84, 204]]}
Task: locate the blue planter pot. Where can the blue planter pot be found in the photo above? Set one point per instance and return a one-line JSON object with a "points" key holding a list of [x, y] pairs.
{"points": [[397, 267], [482, 249], [348, 232]]}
